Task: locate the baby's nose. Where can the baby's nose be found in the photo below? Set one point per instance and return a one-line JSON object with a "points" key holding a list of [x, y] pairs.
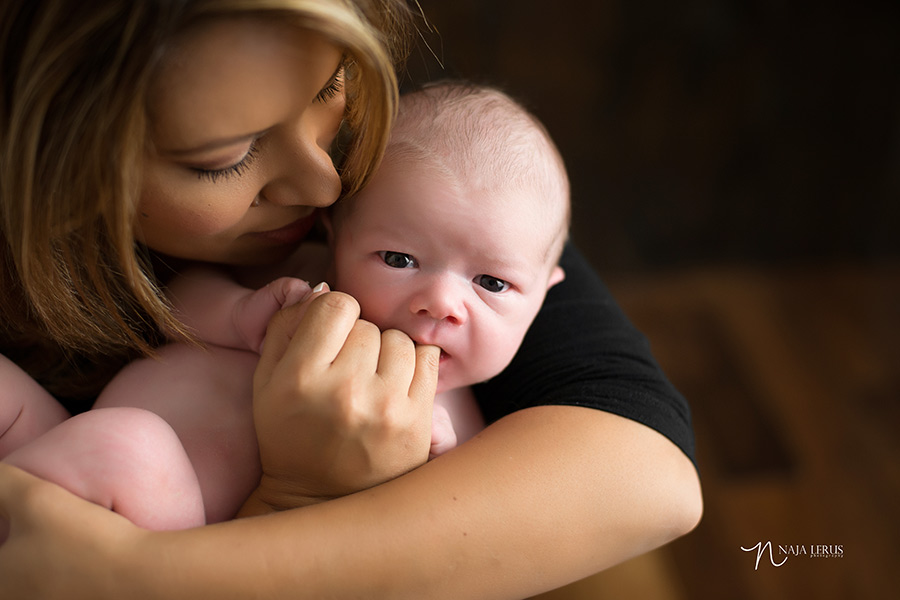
{"points": [[441, 300]]}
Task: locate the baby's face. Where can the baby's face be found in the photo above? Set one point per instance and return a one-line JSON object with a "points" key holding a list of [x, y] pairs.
{"points": [[464, 272]]}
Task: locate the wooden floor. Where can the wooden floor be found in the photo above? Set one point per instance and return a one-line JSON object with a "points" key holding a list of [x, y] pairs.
{"points": [[794, 380]]}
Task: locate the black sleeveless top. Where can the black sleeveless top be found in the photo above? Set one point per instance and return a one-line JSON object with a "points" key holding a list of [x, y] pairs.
{"points": [[582, 350]]}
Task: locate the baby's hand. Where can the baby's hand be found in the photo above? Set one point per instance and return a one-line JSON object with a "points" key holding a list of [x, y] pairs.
{"points": [[252, 314], [443, 435]]}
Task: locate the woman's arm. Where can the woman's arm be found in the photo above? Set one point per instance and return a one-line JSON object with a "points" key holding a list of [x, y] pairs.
{"points": [[543, 496], [526, 506], [582, 350]]}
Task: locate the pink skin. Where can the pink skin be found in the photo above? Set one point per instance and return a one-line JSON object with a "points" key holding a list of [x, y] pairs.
{"points": [[26, 409], [440, 296], [126, 459]]}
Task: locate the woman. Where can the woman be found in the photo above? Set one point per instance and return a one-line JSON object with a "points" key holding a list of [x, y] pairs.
{"points": [[201, 131]]}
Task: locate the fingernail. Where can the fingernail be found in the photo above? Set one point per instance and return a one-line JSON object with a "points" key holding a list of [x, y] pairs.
{"points": [[320, 287]]}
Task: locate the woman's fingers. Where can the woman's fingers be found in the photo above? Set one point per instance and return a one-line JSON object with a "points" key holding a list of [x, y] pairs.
{"points": [[416, 366], [360, 353], [322, 332], [308, 326], [396, 361], [326, 327], [338, 405], [424, 383]]}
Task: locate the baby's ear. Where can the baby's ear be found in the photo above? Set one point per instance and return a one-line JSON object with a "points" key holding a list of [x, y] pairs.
{"points": [[556, 276]]}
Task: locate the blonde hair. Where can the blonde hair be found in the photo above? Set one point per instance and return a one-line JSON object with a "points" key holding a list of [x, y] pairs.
{"points": [[74, 285]]}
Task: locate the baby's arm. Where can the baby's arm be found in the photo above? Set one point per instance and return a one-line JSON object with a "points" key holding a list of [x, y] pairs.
{"points": [[225, 313], [26, 409]]}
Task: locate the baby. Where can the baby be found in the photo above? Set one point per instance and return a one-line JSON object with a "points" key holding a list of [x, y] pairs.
{"points": [[455, 241]]}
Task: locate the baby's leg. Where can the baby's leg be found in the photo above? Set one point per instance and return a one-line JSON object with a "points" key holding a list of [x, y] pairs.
{"points": [[126, 459], [206, 397], [26, 409]]}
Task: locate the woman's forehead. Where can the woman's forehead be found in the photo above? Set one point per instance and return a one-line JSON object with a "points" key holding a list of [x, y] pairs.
{"points": [[233, 77]]}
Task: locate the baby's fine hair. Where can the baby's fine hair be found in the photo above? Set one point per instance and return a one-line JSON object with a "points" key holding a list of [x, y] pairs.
{"points": [[481, 137]]}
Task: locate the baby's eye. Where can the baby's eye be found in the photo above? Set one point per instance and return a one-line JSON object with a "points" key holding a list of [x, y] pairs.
{"points": [[398, 260], [492, 284]]}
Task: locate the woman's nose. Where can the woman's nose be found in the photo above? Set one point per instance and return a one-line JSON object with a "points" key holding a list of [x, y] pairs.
{"points": [[442, 300], [303, 172]]}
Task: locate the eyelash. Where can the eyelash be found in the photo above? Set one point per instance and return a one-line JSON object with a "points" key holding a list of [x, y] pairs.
{"points": [[411, 263], [329, 92], [236, 169], [334, 87]]}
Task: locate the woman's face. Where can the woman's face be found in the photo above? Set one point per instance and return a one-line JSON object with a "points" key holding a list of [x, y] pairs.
{"points": [[242, 114]]}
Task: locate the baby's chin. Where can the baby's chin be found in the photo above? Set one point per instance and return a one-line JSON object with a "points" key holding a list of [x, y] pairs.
{"points": [[451, 382], [455, 374]]}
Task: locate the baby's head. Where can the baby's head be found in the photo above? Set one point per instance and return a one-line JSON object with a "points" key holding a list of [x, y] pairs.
{"points": [[456, 239]]}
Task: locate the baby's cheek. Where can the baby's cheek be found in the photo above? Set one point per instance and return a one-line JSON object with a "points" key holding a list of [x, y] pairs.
{"points": [[377, 308], [495, 347], [364, 288]]}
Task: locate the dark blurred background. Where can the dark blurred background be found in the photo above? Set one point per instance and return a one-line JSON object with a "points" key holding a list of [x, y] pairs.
{"points": [[702, 131], [736, 175]]}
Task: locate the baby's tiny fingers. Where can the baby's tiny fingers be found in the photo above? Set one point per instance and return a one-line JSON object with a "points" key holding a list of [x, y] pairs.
{"points": [[290, 290]]}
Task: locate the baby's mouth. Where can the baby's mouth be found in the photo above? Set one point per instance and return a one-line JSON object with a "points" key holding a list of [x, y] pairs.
{"points": [[444, 356]]}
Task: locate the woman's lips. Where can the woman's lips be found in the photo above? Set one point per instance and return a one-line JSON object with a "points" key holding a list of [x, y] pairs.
{"points": [[291, 233]]}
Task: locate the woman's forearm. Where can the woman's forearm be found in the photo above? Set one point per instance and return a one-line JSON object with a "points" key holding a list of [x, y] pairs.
{"points": [[543, 497]]}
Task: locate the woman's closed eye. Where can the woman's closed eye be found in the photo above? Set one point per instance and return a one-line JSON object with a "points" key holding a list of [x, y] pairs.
{"points": [[332, 89], [235, 170], [398, 260], [334, 86], [492, 284]]}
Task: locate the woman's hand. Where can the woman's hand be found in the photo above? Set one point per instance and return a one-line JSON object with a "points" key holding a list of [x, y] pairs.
{"points": [[338, 405], [59, 546]]}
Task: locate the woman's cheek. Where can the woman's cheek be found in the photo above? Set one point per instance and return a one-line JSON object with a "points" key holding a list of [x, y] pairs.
{"points": [[160, 223], [187, 207]]}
